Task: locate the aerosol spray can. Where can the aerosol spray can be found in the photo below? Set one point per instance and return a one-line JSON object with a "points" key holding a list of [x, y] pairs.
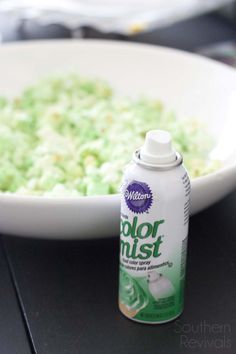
{"points": [[153, 232]]}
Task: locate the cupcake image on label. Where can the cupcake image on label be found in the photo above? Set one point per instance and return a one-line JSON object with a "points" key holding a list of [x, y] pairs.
{"points": [[159, 286], [132, 296]]}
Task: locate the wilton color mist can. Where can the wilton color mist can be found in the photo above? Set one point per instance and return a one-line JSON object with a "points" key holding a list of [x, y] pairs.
{"points": [[155, 201]]}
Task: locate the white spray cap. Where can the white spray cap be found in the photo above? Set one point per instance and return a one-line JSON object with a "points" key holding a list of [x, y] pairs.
{"points": [[157, 148]]}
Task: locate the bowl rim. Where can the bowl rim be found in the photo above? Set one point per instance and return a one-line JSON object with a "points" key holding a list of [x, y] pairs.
{"points": [[116, 43]]}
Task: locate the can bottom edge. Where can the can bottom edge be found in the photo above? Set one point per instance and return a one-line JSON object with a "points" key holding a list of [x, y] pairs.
{"points": [[150, 323]]}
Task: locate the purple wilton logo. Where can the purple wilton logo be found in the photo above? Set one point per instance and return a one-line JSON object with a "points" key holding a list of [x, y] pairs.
{"points": [[138, 197]]}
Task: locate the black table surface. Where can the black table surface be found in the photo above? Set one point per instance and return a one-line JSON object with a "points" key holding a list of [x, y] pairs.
{"points": [[13, 334], [67, 295]]}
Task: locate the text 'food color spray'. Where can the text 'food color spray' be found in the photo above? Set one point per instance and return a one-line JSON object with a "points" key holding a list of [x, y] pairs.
{"points": [[153, 232]]}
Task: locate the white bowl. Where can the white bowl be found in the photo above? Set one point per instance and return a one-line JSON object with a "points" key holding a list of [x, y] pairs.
{"points": [[191, 85]]}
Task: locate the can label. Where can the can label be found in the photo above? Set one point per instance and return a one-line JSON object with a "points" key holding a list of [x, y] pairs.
{"points": [[153, 244]]}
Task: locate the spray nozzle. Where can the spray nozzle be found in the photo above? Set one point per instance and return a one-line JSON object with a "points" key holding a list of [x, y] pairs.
{"points": [[157, 148]]}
